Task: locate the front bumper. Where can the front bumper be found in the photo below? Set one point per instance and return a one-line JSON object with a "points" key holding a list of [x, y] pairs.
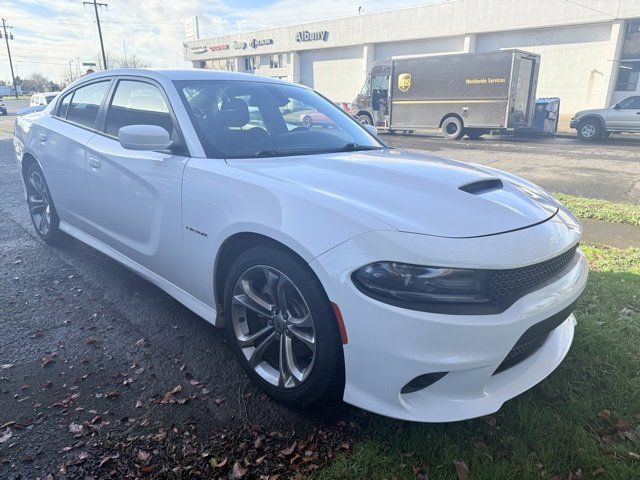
{"points": [[574, 123], [389, 346]]}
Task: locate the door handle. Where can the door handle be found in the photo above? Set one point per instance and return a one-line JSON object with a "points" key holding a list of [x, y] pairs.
{"points": [[95, 164], [43, 138]]}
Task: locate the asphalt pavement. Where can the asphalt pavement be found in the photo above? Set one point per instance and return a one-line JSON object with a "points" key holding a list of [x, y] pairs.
{"points": [[88, 346]]}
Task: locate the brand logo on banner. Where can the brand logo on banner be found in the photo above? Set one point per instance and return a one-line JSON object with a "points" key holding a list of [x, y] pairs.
{"points": [[306, 36], [255, 43], [404, 82], [198, 50], [239, 45]]}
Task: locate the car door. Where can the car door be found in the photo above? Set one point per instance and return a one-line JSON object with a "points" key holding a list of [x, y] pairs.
{"points": [[135, 195], [61, 148], [625, 115]]}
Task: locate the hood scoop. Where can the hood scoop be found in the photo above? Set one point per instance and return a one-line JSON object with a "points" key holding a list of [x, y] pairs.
{"points": [[479, 187]]}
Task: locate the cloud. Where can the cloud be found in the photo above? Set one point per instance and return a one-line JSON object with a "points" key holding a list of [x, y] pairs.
{"points": [[48, 37]]}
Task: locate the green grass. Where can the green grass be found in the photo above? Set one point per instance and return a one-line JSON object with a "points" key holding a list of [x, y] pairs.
{"points": [[601, 209], [554, 428]]}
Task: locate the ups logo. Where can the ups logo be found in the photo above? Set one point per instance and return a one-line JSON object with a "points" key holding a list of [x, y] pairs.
{"points": [[404, 82]]}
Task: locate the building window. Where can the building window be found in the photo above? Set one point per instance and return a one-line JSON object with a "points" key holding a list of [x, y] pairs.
{"points": [[251, 63], [276, 61], [628, 75], [225, 64], [633, 27]]}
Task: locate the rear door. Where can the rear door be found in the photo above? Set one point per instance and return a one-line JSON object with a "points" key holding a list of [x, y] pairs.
{"points": [[626, 116], [135, 196], [62, 141]]}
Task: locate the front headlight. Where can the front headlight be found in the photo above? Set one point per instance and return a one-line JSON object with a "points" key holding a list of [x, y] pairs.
{"points": [[424, 288]]}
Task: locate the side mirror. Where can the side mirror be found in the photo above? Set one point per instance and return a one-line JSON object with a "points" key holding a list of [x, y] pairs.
{"points": [[371, 129], [616, 106], [144, 137]]}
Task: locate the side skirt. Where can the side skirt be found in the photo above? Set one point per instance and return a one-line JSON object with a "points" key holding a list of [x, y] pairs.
{"points": [[188, 300]]}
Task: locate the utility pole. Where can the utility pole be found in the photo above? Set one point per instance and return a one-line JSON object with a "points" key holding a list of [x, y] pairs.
{"points": [[8, 37], [95, 6]]}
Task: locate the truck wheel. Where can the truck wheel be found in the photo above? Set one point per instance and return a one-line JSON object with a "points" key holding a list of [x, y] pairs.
{"points": [[365, 119], [452, 128], [474, 133], [589, 129]]}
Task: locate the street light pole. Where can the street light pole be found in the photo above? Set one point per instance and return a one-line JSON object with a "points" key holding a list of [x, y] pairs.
{"points": [[95, 6], [6, 38]]}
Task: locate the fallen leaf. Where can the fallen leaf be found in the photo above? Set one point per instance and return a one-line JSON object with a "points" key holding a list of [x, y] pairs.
{"points": [[598, 471], [623, 424], [107, 458], [605, 414], [143, 455], [6, 435], [215, 464], [75, 428], [140, 343], [4, 366], [238, 471], [634, 455], [148, 469], [47, 360], [461, 469], [288, 451], [168, 397]]}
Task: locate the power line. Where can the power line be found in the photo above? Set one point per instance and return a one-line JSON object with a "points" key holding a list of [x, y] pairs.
{"points": [[572, 2], [95, 6]]}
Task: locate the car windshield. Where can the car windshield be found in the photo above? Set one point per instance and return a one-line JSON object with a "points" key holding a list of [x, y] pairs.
{"points": [[240, 119]]}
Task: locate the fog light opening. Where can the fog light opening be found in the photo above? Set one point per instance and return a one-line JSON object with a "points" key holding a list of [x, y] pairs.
{"points": [[422, 382]]}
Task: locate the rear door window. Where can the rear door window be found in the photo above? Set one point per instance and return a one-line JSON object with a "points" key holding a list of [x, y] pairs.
{"points": [[86, 101], [137, 103]]}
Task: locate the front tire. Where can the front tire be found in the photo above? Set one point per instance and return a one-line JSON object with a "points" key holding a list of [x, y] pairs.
{"points": [[41, 208], [365, 119], [307, 121], [452, 128], [282, 328], [589, 129]]}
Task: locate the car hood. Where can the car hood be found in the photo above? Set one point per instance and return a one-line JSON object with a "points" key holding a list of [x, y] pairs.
{"points": [[592, 111], [416, 192]]}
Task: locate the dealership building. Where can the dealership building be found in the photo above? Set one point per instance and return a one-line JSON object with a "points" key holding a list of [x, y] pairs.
{"points": [[590, 49]]}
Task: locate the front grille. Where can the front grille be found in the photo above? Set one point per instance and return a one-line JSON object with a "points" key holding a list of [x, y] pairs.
{"points": [[504, 284]]}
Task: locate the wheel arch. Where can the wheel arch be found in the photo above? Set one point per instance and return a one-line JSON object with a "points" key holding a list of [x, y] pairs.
{"points": [[596, 117], [232, 247], [364, 112], [449, 115]]}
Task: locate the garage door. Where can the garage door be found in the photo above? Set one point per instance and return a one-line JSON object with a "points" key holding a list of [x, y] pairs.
{"points": [[337, 73]]}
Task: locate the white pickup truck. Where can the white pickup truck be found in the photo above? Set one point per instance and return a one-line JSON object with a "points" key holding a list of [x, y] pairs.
{"points": [[598, 123]]}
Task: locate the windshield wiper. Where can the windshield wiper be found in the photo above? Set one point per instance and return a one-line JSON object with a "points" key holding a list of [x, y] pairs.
{"points": [[354, 147]]}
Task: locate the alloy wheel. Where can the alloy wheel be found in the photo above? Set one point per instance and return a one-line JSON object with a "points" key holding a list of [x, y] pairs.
{"points": [[39, 202], [588, 130], [273, 326]]}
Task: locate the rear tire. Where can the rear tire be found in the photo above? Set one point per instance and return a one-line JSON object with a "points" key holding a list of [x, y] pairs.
{"points": [[590, 129], [452, 128], [306, 121], [292, 309], [41, 208]]}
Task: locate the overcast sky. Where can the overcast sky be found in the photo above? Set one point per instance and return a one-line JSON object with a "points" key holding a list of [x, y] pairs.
{"points": [[50, 33]]}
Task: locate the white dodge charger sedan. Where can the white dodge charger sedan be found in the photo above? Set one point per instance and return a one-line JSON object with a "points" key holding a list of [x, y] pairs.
{"points": [[410, 285]]}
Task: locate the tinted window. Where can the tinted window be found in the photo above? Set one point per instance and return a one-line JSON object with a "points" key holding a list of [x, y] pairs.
{"points": [[85, 103], [63, 106], [236, 119], [631, 103], [137, 103]]}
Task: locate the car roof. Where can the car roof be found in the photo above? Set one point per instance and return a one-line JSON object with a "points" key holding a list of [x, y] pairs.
{"points": [[184, 74]]}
